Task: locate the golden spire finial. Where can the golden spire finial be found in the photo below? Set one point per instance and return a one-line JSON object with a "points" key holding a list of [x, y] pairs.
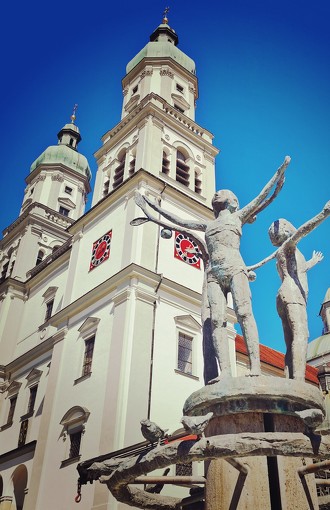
{"points": [[73, 116], [165, 19]]}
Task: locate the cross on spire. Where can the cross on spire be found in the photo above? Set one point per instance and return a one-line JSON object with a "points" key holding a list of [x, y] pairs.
{"points": [[165, 19], [73, 116]]}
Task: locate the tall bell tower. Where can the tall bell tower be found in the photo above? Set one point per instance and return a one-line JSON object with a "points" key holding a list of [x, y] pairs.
{"points": [[157, 131]]}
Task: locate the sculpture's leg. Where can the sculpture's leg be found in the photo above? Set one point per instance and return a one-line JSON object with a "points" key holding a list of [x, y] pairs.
{"points": [[218, 312], [298, 321], [210, 362], [288, 336], [242, 304]]}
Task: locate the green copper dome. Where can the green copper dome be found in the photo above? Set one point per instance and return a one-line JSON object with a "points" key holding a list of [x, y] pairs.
{"points": [[163, 43], [66, 155], [65, 152]]}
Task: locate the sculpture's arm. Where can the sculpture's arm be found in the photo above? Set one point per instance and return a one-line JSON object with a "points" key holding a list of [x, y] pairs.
{"points": [[139, 199], [316, 258], [262, 262], [201, 245], [261, 201], [268, 201], [307, 227]]}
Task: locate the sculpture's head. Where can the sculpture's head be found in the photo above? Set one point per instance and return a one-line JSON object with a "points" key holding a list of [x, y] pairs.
{"points": [[224, 199], [146, 423], [280, 231]]}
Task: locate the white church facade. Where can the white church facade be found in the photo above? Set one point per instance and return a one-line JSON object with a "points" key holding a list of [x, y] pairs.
{"points": [[100, 321]]}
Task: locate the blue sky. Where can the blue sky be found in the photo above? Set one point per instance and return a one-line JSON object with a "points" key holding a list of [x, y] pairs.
{"points": [[264, 82]]}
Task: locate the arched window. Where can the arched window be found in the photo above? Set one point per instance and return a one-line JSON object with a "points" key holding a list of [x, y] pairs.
{"points": [[40, 256], [19, 478], [182, 169], [74, 426], [198, 182], [165, 164], [119, 171]]}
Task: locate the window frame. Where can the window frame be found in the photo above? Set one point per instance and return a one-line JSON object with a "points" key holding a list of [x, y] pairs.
{"points": [[189, 327]]}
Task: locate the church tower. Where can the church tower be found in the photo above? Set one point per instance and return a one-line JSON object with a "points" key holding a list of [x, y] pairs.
{"points": [[54, 197], [157, 131]]}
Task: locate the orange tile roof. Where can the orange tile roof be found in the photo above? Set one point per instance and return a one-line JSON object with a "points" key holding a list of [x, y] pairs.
{"points": [[275, 359]]}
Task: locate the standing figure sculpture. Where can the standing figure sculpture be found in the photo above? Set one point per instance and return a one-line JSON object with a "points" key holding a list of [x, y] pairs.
{"points": [[292, 296], [226, 271]]}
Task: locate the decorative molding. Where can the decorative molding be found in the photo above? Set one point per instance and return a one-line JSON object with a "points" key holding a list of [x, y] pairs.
{"points": [[89, 326], [50, 293], [192, 89], [166, 72], [125, 91], [58, 177], [187, 321], [13, 388], [146, 72], [34, 375], [67, 202]]}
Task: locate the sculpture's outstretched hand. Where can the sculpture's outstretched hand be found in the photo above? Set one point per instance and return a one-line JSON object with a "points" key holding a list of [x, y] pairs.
{"points": [[316, 257]]}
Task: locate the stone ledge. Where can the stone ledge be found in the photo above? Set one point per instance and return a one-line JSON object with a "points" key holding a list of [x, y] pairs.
{"points": [[264, 394]]}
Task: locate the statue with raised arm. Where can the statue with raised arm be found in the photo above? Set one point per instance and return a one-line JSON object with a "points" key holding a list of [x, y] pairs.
{"points": [[226, 271], [292, 296]]}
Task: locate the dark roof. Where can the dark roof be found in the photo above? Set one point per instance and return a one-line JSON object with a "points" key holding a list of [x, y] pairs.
{"points": [[275, 359]]}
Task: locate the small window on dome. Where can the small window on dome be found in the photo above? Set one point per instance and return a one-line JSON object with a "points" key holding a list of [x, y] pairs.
{"points": [[179, 88], [71, 142], [68, 190], [134, 90]]}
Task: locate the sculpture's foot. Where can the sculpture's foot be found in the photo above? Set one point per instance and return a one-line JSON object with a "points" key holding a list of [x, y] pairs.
{"points": [[254, 373], [223, 375]]}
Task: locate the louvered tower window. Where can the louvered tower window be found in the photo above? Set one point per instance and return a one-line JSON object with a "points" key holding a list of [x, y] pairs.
{"points": [[132, 166], [119, 171], [182, 169], [198, 183], [165, 164]]}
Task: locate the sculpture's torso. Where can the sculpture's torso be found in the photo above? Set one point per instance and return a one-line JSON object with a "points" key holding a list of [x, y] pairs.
{"points": [[291, 265], [223, 236]]}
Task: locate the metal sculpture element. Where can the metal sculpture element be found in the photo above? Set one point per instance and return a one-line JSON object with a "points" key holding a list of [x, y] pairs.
{"points": [[292, 296], [196, 424], [226, 270]]}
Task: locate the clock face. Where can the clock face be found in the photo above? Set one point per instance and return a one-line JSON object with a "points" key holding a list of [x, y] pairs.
{"points": [[186, 250], [101, 250]]}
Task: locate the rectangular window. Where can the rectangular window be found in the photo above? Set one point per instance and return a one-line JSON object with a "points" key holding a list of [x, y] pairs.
{"points": [[75, 440], [49, 309], [88, 356], [64, 211], [135, 89], [179, 88], [68, 190], [23, 433], [185, 353], [32, 399], [12, 406]]}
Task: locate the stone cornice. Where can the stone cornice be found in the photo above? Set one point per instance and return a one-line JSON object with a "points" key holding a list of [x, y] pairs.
{"points": [[148, 281], [140, 178], [152, 104], [29, 216], [53, 169]]}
